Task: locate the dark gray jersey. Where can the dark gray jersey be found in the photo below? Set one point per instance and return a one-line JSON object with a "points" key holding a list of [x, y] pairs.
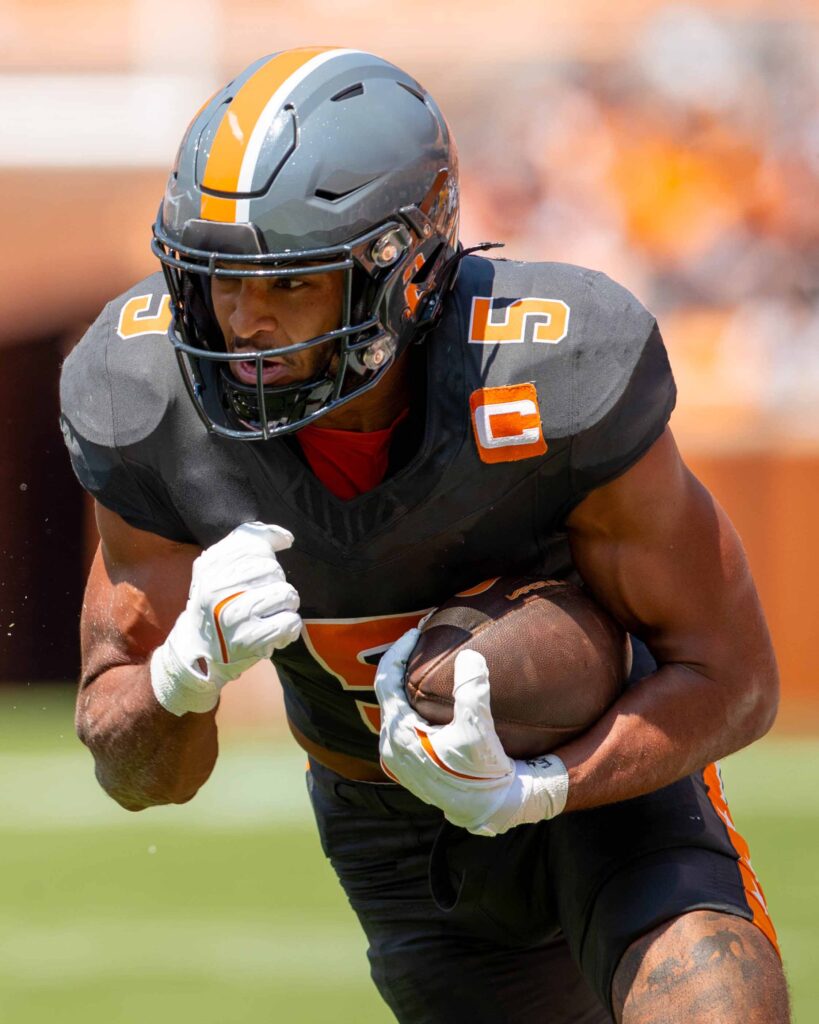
{"points": [[543, 381]]}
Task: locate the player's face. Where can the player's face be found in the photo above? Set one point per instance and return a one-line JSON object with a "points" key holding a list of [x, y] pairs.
{"points": [[259, 313]]}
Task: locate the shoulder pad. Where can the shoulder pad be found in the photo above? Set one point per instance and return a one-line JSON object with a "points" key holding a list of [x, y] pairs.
{"points": [[575, 333], [118, 381]]}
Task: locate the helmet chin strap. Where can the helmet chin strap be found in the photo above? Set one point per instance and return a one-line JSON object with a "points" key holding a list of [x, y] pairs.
{"points": [[449, 271], [447, 277]]}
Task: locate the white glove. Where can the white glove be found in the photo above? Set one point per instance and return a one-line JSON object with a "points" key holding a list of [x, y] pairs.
{"points": [[462, 767], [240, 609]]}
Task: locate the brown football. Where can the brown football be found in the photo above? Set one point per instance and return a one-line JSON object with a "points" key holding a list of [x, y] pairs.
{"points": [[556, 659]]}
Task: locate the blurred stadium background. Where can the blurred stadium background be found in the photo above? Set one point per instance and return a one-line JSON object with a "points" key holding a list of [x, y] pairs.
{"points": [[675, 147]]}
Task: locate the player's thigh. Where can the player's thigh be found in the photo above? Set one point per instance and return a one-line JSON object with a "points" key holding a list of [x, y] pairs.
{"points": [[486, 947], [448, 978], [701, 967], [623, 870], [482, 952]]}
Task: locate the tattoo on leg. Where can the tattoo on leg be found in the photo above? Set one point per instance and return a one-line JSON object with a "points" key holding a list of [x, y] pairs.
{"points": [[701, 967]]}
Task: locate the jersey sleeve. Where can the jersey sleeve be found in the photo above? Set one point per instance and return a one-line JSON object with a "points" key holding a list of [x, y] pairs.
{"points": [[109, 425], [607, 447]]}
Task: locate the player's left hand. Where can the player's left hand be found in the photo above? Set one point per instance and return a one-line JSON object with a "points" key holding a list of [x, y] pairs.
{"points": [[462, 767]]}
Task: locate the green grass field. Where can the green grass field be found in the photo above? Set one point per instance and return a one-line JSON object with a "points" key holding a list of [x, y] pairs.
{"points": [[224, 911]]}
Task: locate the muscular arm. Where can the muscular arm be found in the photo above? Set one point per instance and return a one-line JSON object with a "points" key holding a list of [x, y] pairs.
{"points": [[137, 587], [658, 551]]}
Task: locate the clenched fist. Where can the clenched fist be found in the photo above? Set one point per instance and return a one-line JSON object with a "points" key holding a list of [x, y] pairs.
{"points": [[240, 609]]}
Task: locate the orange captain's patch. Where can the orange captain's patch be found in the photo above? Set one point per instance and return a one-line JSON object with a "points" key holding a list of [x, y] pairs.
{"points": [[753, 890], [506, 423]]}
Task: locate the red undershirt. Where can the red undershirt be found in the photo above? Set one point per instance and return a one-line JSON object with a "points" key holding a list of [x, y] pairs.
{"points": [[348, 462]]}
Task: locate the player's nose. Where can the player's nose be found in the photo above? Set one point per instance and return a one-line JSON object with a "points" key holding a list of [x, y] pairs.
{"points": [[254, 311]]}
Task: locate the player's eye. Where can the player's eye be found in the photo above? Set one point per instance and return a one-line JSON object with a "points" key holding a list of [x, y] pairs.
{"points": [[224, 285], [289, 284]]}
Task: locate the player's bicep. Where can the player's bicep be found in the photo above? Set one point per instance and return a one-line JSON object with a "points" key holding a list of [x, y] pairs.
{"points": [[660, 553], [137, 587]]}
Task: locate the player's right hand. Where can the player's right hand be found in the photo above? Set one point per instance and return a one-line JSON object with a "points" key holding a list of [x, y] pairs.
{"points": [[462, 767], [240, 609]]}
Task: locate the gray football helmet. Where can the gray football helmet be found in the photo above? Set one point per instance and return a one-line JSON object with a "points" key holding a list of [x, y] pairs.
{"points": [[310, 161]]}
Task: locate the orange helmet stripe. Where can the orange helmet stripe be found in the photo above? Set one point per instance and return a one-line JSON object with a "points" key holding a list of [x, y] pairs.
{"points": [[230, 144]]}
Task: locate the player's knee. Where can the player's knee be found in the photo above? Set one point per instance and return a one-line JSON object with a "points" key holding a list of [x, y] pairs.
{"points": [[701, 967]]}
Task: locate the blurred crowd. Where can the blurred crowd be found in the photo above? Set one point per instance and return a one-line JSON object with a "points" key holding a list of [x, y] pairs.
{"points": [[688, 171]]}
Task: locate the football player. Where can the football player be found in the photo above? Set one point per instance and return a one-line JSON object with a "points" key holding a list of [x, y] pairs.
{"points": [[322, 419]]}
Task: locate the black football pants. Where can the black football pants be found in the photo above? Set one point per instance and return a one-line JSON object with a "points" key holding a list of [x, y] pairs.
{"points": [[528, 927]]}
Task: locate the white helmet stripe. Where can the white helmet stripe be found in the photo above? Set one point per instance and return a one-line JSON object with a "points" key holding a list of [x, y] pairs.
{"points": [[266, 118]]}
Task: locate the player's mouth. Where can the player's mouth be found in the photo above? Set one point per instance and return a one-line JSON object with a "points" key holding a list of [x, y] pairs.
{"points": [[274, 371]]}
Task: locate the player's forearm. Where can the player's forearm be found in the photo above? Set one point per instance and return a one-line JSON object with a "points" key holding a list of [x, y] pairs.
{"points": [[668, 725], [144, 756]]}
